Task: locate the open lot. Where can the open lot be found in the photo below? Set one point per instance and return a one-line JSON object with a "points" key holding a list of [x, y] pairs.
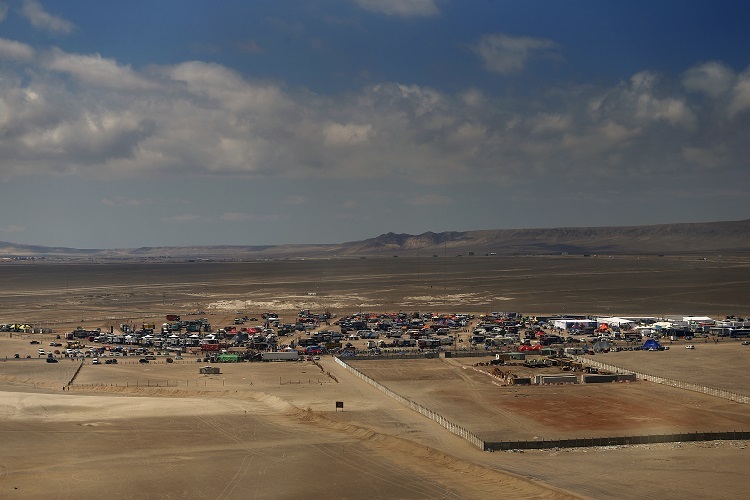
{"points": [[711, 364], [468, 396], [270, 430]]}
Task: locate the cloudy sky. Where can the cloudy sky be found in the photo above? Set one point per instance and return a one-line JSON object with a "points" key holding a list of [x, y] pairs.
{"points": [[187, 122]]}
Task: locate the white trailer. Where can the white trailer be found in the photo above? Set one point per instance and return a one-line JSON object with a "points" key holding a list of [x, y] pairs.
{"points": [[280, 356]]}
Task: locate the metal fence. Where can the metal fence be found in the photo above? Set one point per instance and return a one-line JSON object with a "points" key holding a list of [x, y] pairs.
{"points": [[680, 384], [452, 427]]}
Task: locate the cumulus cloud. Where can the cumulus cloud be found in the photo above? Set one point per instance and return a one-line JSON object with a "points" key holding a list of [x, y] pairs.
{"points": [[72, 114], [39, 18], [740, 101], [98, 71], [401, 8], [506, 54], [340, 134], [712, 78], [10, 49], [642, 100]]}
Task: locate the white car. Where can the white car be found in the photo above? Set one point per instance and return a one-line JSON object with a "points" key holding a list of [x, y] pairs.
{"points": [[690, 346]]}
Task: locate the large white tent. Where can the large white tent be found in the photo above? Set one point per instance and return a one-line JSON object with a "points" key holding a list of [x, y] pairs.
{"points": [[568, 324], [614, 321]]}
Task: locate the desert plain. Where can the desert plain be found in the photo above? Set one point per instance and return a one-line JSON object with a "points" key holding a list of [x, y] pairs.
{"points": [[271, 430]]}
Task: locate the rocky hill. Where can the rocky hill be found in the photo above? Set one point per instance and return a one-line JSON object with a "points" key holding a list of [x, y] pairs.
{"points": [[731, 237]]}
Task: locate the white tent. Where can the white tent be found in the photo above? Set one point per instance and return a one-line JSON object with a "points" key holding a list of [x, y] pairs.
{"points": [[567, 324], [614, 321], [698, 319]]}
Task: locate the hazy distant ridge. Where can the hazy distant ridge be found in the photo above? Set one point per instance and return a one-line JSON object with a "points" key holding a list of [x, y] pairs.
{"points": [[687, 238]]}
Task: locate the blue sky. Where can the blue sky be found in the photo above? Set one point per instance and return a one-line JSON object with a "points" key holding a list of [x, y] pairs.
{"points": [[142, 123]]}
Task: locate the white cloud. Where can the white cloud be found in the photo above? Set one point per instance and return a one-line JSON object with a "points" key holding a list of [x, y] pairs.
{"points": [[740, 101], [225, 87], [642, 100], [338, 134], [98, 71], [39, 18], [201, 119], [712, 78], [507, 54], [12, 228], [473, 98], [674, 111], [401, 8], [10, 49]]}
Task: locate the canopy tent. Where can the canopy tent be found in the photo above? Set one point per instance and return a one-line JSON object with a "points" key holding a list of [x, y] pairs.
{"points": [[651, 344], [524, 348]]}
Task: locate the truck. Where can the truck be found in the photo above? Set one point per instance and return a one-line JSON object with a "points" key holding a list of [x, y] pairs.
{"points": [[280, 356]]}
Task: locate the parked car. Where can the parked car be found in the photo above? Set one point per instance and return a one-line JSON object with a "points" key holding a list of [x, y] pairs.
{"points": [[690, 346], [51, 360]]}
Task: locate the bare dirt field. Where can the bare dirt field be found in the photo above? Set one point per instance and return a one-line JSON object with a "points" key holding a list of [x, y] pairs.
{"points": [[722, 364], [467, 395], [271, 430]]}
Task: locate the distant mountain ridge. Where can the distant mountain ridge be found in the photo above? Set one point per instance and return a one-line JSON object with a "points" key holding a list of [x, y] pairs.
{"points": [[728, 237]]}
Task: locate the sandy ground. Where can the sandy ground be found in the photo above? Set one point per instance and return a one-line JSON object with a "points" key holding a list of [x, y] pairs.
{"points": [[270, 430], [248, 435]]}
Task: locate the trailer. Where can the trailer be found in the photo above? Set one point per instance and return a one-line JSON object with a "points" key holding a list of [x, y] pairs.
{"points": [[280, 356]]}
